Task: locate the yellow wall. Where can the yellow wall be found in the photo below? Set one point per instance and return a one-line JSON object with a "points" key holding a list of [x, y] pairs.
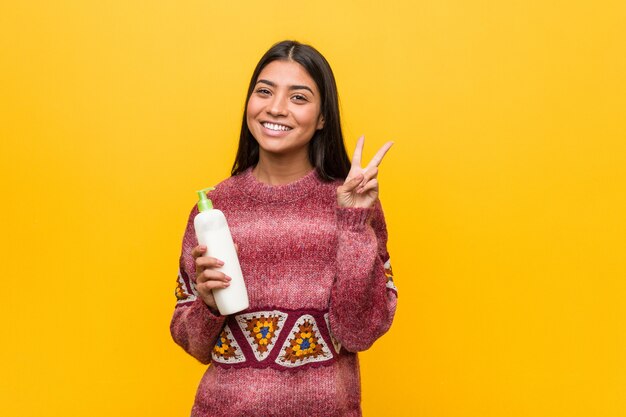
{"points": [[504, 192]]}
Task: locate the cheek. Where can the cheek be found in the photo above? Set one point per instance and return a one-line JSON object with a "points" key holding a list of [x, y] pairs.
{"points": [[308, 117], [250, 108], [251, 112]]}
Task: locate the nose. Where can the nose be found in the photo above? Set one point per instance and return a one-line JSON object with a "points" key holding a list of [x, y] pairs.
{"points": [[277, 106]]}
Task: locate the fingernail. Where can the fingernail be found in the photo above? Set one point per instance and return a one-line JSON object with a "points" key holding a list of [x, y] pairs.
{"points": [[228, 278], [226, 284], [220, 263]]}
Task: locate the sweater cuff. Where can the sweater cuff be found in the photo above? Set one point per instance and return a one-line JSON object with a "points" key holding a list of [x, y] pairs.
{"points": [[202, 308], [353, 218]]}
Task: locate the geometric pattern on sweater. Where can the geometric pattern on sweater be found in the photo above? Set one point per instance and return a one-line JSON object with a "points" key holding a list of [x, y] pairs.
{"points": [[226, 348], [261, 329], [305, 344], [389, 274], [185, 290], [296, 339], [334, 341]]}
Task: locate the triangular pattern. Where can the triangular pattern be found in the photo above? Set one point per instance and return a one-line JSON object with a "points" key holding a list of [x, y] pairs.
{"points": [[226, 349], [389, 274], [184, 292], [303, 345], [336, 344], [261, 329]]}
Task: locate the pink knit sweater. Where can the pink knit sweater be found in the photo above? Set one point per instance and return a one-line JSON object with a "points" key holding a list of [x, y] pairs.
{"points": [[320, 288]]}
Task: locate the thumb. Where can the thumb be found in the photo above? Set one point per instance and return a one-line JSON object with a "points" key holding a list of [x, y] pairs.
{"points": [[351, 184]]}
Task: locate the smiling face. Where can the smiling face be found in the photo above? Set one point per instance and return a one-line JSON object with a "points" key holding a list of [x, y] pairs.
{"points": [[283, 111]]}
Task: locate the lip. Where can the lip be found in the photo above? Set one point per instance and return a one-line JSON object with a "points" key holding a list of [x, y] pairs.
{"points": [[276, 123], [275, 133]]}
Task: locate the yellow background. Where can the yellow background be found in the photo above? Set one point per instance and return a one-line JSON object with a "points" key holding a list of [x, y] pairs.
{"points": [[504, 194]]}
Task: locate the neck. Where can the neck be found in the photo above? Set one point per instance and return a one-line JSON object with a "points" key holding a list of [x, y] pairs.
{"points": [[273, 170]]}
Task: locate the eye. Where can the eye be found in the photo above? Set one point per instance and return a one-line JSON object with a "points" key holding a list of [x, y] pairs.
{"points": [[299, 98], [263, 91]]}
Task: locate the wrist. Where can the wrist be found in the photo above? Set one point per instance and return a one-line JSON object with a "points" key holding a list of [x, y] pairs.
{"points": [[211, 306], [353, 218]]}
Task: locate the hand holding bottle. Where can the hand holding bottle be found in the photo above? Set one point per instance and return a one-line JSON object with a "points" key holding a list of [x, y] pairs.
{"points": [[360, 188], [222, 265], [207, 277]]}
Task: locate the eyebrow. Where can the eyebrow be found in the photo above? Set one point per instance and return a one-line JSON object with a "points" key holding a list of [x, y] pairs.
{"points": [[291, 87]]}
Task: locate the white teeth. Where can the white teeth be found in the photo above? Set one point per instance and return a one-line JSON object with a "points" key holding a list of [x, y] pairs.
{"points": [[273, 126]]}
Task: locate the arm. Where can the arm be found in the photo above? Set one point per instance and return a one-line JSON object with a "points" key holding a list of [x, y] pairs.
{"points": [[363, 298], [194, 326]]}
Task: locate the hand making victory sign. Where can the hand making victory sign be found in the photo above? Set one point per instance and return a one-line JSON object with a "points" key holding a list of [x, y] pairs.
{"points": [[360, 188]]}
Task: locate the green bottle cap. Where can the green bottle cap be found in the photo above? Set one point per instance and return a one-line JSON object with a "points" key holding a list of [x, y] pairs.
{"points": [[204, 203]]}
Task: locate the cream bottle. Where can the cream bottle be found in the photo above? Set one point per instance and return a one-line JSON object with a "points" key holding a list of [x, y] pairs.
{"points": [[212, 231]]}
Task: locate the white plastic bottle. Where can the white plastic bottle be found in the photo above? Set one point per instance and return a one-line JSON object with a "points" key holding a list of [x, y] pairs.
{"points": [[213, 232]]}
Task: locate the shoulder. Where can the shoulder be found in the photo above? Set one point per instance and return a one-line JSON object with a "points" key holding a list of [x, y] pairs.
{"points": [[228, 188], [228, 183], [219, 195], [331, 184]]}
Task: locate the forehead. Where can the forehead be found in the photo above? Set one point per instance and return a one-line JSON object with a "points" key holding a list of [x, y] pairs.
{"points": [[287, 73]]}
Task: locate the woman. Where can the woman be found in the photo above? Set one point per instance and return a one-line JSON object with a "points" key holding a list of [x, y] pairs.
{"points": [[312, 247]]}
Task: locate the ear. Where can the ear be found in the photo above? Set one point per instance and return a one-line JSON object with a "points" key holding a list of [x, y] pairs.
{"points": [[320, 123]]}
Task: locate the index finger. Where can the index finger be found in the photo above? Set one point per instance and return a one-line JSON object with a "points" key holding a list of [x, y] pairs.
{"points": [[198, 251], [378, 158], [356, 157]]}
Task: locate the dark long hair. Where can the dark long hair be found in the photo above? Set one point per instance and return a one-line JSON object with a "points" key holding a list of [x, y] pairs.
{"points": [[327, 152]]}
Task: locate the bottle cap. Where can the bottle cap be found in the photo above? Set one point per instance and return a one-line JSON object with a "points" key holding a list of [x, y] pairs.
{"points": [[204, 203]]}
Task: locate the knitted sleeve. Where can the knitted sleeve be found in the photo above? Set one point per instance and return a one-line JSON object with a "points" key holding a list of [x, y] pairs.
{"points": [[363, 298], [194, 327]]}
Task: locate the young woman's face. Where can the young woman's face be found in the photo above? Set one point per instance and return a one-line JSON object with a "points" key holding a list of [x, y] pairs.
{"points": [[284, 109]]}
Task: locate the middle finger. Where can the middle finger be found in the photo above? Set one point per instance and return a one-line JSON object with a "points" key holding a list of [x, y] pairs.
{"points": [[204, 262], [378, 158], [212, 275]]}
